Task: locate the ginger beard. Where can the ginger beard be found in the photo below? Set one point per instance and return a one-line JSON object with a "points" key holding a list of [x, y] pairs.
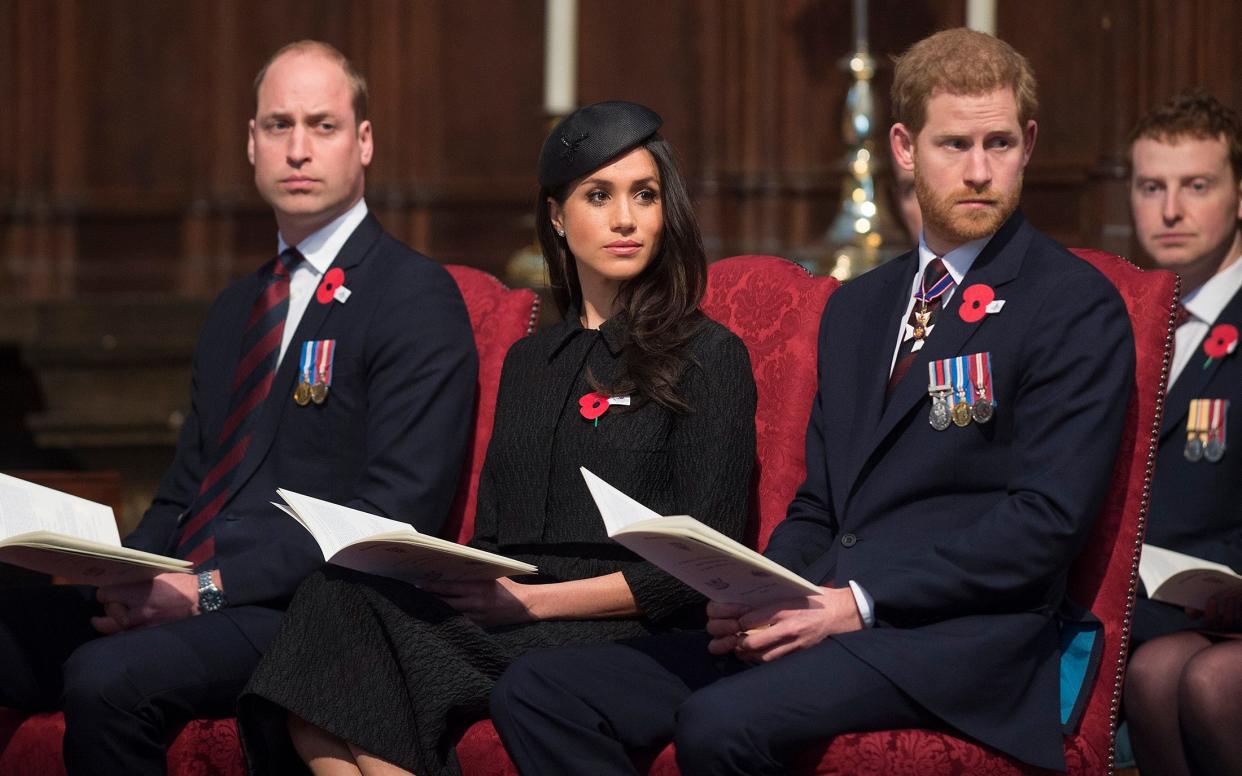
{"points": [[958, 224]]}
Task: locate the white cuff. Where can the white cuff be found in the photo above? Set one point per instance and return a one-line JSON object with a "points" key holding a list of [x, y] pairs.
{"points": [[866, 604]]}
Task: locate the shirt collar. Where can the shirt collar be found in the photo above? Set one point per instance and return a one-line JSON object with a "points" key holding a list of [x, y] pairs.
{"points": [[957, 261], [1208, 301], [322, 246]]}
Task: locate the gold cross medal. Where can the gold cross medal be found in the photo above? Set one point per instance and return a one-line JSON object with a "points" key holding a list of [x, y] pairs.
{"points": [[921, 319]]}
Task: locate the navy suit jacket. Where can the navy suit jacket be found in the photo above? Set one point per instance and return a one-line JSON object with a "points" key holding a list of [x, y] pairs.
{"points": [[1196, 507], [389, 439], [963, 537]]}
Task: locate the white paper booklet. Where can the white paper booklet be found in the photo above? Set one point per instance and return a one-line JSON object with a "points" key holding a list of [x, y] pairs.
{"points": [[44, 530], [363, 542], [1184, 580], [697, 554]]}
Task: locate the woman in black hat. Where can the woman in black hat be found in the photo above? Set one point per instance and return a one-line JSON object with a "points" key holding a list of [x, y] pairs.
{"points": [[370, 675]]}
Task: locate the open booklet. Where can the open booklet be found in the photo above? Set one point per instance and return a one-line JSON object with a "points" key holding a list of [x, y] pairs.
{"points": [[702, 557], [1184, 580], [365, 542], [44, 530]]}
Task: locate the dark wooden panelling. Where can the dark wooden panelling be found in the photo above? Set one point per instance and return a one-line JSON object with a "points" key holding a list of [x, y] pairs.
{"points": [[127, 113]]}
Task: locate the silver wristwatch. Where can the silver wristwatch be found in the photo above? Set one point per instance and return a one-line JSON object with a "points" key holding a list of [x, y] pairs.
{"points": [[210, 597]]}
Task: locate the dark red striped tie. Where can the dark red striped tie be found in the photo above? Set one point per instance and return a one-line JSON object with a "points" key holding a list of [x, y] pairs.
{"points": [[932, 276], [252, 381]]}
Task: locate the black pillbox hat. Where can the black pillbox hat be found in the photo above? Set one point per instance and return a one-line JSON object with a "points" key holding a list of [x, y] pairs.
{"points": [[590, 136]]}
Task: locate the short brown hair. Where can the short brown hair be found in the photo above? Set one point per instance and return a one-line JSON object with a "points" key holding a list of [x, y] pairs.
{"points": [[962, 62], [1194, 114], [357, 84]]}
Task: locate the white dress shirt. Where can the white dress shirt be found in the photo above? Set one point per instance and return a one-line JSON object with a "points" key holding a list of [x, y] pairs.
{"points": [[1205, 305], [319, 250]]}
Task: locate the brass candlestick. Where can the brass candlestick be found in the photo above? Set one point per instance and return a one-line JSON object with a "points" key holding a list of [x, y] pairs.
{"points": [[864, 233]]}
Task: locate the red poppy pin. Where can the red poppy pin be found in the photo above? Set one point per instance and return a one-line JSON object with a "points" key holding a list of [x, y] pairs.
{"points": [[332, 287], [593, 405], [975, 301], [1220, 342]]}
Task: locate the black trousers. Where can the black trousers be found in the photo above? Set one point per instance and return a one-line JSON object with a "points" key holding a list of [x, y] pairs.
{"points": [[123, 695], [578, 710]]}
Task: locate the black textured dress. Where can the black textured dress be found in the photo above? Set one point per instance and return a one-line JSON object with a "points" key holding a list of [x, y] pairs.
{"points": [[401, 674]]}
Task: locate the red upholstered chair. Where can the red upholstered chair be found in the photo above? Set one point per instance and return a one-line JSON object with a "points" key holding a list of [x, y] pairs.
{"points": [[774, 305], [499, 316]]}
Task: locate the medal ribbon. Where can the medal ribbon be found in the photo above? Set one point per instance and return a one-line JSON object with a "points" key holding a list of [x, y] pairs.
{"points": [[981, 375], [323, 360], [937, 290], [1220, 409], [306, 365], [963, 390]]}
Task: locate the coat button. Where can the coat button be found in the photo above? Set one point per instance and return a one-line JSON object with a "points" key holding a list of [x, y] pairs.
{"points": [[848, 540]]}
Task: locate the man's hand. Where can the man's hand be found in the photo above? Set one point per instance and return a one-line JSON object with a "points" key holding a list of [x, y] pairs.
{"points": [[490, 603], [1224, 612], [166, 598], [764, 634]]}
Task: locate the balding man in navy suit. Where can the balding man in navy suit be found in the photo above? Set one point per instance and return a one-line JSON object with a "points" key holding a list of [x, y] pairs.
{"points": [[344, 369]]}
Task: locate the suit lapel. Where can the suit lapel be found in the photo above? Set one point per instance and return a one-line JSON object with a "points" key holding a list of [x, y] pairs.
{"points": [[998, 263], [1192, 383], [876, 345], [279, 398]]}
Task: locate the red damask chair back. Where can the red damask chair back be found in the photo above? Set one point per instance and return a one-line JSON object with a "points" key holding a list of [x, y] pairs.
{"points": [[499, 317], [774, 306], [1103, 578], [30, 745]]}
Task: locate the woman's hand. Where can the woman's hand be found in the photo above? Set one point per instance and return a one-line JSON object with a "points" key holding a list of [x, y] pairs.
{"points": [[501, 602], [505, 602]]}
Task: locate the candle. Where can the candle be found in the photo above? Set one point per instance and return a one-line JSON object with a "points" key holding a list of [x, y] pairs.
{"points": [[860, 25], [981, 15], [560, 61]]}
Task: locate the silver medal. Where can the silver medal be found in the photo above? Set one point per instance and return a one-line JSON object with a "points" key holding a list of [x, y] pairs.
{"points": [[940, 416], [1194, 448], [1214, 450], [981, 411]]}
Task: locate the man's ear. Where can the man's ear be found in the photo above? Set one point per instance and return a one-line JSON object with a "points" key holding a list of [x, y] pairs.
{"points": [[250, 143], [1028, 140], [365, 142], [901, 143]]}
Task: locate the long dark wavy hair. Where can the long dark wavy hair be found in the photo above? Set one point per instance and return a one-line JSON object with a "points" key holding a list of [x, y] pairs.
{"points": [[661, 305]]}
